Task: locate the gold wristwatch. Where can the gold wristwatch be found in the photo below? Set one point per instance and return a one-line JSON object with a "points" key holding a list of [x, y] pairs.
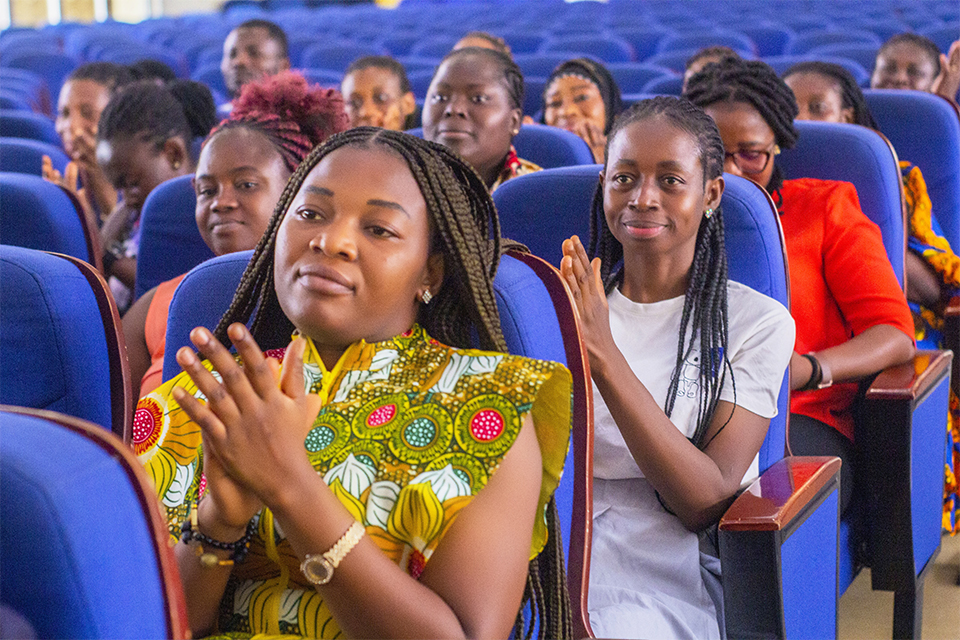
{"points": [[318, 567]]}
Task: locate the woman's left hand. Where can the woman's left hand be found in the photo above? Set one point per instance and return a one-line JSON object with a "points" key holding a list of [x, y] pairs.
{"points": [[583, 280], [256, 418]]}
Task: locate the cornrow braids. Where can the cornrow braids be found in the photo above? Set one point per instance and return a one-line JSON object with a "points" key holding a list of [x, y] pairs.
{"points": [[156, 113], [467, 234], [381, 62], [293, 115], [512, 75], [851, 95], [928, 46], [704, 315], [757, 84]]}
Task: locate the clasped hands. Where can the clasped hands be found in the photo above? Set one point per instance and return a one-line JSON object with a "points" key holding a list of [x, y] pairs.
{"points": [[254, 422]]}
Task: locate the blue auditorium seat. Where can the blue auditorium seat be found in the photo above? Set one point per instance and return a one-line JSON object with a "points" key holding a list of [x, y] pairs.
{"points": [[805, 42], [19, 124], [781, 63], [170, 243], [686, 41], [434, 47], [61, 347], [770, 40], [863, 54], [52, 67], [666, 85], [337, 57], [944, 35], [900, 434], [211, 76], [84, 544], [23, 155], [538, 321], [631, 77], [14, 101], [604, 47], [643, 39], [543, 64]]}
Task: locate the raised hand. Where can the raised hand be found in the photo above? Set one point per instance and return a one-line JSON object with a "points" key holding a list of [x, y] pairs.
{"points": [[947, 82], [583, 280], [594, 137], [255, 421]]}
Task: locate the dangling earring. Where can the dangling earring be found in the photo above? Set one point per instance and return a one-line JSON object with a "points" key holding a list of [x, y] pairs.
{"points": [[708, 214], [426, 297]]}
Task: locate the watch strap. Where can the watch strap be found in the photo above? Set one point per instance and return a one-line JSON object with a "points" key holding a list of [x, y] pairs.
{"points": [[333, 556], [815, 376]]}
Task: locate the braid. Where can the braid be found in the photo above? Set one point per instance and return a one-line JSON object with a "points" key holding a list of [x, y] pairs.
{"points": [[293, 115], [851, 95], [757, 84], [704, 315]]}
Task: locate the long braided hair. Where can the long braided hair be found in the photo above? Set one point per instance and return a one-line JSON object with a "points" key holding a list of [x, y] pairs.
{"points": [[757, 84], [467, 234], [291, 113], [705, 303], [851, 95]]}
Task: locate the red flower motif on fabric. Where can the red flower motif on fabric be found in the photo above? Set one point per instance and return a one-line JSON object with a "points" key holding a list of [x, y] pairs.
{"points": [[486, 425], [275, 353], [147, 421], [202, 488], [416, 563], [382, 416]]}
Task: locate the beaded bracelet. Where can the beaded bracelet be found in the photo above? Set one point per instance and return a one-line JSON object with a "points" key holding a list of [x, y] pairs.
{"points": [[190, 533]]}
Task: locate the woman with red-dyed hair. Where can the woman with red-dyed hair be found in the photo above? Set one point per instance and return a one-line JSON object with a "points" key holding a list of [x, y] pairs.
{"points": [[243, 168]]}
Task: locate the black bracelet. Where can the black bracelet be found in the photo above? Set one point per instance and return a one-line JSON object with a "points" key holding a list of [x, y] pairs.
{"points": [[109, 258], [816, 376], [239, 548]]}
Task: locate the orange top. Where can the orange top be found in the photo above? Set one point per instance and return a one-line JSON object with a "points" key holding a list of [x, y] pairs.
{"points": [[155, 333], [841, 283]]}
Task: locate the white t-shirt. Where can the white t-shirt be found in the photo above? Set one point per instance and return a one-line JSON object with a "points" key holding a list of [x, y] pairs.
{"points": [[645, 576], [760, 340]]}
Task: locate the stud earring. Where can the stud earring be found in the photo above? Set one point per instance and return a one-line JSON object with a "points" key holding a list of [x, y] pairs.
{"points": [[708, 213], [426, 296], [176, 165]]}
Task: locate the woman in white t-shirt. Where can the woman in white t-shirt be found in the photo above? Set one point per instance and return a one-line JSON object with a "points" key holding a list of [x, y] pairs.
{"points": [[686, 366]]}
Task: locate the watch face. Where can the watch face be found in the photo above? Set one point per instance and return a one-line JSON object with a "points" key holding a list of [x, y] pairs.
{"points": [[317, 569]]}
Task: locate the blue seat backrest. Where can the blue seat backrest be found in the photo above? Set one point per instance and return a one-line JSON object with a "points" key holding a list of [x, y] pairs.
{"points": [[925, 130], [80, 559], [543, 209], [17, 124], [53, 348], [170, 243], [39, 215], [548, 147], [25, 155], [855, 154]]}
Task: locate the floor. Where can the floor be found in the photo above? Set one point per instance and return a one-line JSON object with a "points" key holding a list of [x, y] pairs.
{"points": [[868, 615]]}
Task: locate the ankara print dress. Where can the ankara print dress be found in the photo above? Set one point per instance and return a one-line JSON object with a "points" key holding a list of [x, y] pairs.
{"points": [[409, 432]]}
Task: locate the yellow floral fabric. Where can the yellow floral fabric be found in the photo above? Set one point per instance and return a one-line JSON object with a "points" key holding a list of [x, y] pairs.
{"points": [[409, 432]]}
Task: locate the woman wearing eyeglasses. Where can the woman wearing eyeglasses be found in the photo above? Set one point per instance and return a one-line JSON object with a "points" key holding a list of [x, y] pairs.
{"points": [[852, 317]]}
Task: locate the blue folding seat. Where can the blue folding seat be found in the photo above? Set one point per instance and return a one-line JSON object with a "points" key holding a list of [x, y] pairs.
{"points": [[522, 41], [644, 38], [170, 242], [433, 47], [770, 40], [944, 36], [30, 85], [538, 321], [23, 155], [85, 546], [666, 85], [542, 64], [781, 63], [546, 146], [863, 54], [337, 57], [131, 53], [807, 41], [420, 82], [696, 40], [14, 101], [33, 126], [62, 344], [30, 40], [605, 47], [883, 27], [399, 44], [211, 76], [203, 51], [533, 94], [900, 434], [323, 77], [631, 77], [52, 67]]}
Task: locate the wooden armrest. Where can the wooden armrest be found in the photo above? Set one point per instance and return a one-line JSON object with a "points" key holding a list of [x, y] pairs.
{"points": [[953, 308], [782, 492], [911, 380]]}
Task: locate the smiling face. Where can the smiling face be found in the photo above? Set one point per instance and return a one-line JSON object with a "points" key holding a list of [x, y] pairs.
{"points": [[469, 110], [249, 54], [903, 65], [352, 254], [78, 111], [572, 100], [135, 167], [240, 177], [819, 97], [373, 98], [745, 132], [654, 195]]}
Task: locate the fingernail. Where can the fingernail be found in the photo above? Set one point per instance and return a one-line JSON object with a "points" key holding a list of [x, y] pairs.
{"points": [[186, 356], [200, 336], [237, 332]]}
